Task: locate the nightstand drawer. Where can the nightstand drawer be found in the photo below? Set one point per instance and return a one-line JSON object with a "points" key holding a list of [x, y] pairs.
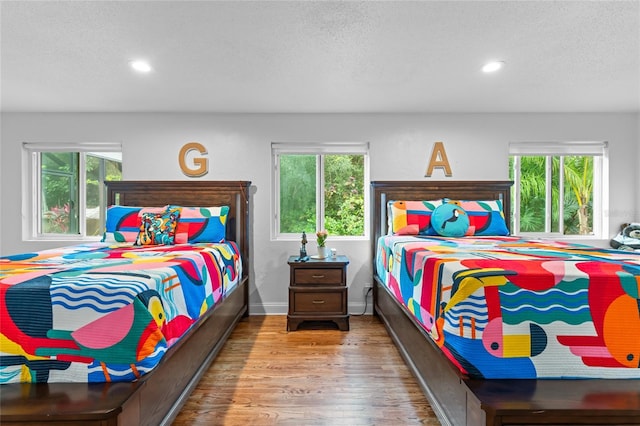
{"points": [[324, 276], [318, 302]]}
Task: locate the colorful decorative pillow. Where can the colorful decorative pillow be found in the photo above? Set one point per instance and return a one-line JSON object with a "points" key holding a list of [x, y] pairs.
{"points": [[158, 228], [123, 223], [450, 220], [486, 217], [202, 225], [411, 217]]}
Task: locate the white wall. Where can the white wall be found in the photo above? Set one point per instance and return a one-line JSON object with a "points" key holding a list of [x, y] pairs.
{"points": [[637, 189], [1, 200], [239, 149]]}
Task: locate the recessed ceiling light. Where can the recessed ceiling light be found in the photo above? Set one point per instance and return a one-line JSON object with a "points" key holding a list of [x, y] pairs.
{"points": [[140, 66], [492, 66]]}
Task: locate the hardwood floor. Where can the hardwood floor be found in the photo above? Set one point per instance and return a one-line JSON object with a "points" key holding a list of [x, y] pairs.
{"points": [[265, 375]]}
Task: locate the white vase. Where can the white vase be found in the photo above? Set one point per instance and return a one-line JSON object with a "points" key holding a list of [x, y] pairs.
{"points": [[323, 252]]}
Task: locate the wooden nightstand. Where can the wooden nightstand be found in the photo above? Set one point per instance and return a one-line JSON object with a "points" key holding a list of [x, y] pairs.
{"points": [[318, 291]]}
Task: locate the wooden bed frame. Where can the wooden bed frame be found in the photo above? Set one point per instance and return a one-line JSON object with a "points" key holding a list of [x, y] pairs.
{"points": [[156, 399], [458, 400]]}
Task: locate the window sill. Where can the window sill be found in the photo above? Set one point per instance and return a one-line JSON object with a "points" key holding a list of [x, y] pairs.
{"points": [[313, 241]]}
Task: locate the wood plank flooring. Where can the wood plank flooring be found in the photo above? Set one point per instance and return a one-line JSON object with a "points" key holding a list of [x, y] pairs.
{"points": [[265, 375]]}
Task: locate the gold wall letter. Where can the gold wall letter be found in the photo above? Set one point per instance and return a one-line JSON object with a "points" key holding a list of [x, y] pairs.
{"points": [[201, 163], [438, 159]]}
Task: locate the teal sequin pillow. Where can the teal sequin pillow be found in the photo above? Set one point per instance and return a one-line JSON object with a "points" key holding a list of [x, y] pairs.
{"points": [[450, 220]]}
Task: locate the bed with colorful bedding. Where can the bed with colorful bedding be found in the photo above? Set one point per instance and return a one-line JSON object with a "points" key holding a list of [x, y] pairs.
{"points": [[500, 329], [127, 325]]}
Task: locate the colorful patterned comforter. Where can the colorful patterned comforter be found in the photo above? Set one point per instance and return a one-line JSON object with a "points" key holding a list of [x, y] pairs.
{"points": [[102, 312], [504, 307]]}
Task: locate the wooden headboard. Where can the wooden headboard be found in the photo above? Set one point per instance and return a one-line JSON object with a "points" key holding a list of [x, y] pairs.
{"points": [[383, 191], [234, 194]]}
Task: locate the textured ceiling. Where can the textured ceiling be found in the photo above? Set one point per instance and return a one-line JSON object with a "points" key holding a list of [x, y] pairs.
{"points": [[321, 56]]}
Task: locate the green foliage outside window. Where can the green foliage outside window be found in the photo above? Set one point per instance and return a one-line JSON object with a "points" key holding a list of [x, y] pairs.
{"points": [[343, 194], [59, 182], [577, 175], [59, 172], [297, 193]]}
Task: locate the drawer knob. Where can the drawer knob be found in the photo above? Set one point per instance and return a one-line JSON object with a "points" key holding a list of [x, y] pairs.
{"points": [[318, 302], [317, 276]]}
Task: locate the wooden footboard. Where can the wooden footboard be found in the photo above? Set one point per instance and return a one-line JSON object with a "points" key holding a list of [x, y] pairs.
{"points": [[558, 402]]}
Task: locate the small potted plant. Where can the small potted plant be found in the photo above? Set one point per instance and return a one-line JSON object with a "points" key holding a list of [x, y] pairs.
{"points": [[321, 238]]}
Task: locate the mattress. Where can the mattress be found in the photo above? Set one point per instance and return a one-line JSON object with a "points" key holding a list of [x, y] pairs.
{"points": [[507, 307], [105, 312]]}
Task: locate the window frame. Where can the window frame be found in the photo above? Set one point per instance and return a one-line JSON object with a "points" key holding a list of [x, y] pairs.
{"points": [[599, 150], [319, 149], [31, 187]]}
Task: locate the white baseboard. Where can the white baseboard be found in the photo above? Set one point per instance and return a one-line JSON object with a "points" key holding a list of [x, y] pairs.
{"points": [[283, 308]]}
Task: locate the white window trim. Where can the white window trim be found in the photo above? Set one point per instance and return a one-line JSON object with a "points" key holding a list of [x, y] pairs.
{"points": [[600, 151], [319, 148], [31, 186]]}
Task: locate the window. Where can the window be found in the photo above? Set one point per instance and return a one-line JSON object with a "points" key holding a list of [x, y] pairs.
{"points": [[320, 186], [559, 188], [67, 195]]}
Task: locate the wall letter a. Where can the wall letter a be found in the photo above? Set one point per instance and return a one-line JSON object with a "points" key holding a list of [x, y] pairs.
{"points": [[438, 159]]}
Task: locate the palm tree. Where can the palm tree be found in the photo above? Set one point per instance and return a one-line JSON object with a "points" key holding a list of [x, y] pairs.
{"points": [[578, 175], [578, 180]]}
